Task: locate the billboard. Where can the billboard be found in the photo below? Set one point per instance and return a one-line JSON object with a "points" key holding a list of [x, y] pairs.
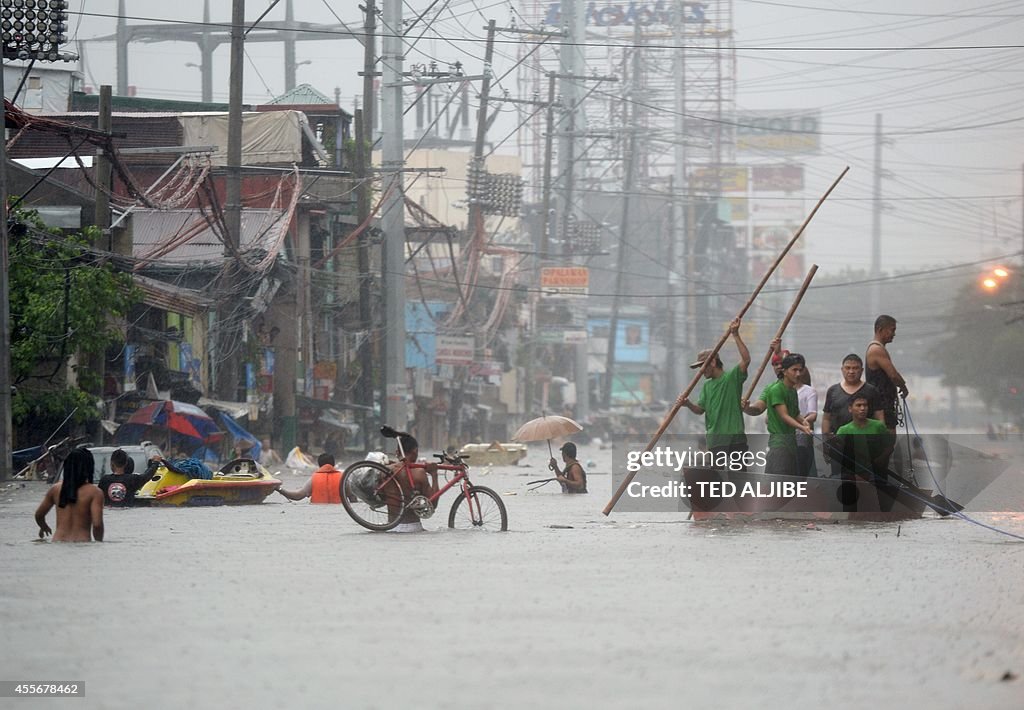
{"points": [[731, 178], [778, 132], [778, 178], [563, 281], [628, 14]]}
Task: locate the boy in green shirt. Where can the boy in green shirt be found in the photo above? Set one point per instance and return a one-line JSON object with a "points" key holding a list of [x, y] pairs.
{"points": [[866, 443], [780, 401]]}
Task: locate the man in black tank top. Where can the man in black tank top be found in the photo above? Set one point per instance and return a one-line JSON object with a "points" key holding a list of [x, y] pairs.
{"points": [[880, 372], [573, 478]]}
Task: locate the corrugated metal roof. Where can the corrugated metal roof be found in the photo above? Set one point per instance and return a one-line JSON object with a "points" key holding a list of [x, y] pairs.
{"points": [[142, 130], [301, 95], [153, 228]]}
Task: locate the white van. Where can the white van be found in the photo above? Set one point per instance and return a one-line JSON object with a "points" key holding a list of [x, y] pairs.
{"points": [[139, 455]]}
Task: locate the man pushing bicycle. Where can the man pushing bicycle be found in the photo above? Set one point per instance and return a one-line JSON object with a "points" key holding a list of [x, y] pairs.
{"points": [[397, 495], [408, 452]]}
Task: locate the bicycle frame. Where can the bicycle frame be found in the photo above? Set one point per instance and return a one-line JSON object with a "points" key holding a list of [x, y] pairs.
{"points": [[461, 474]]}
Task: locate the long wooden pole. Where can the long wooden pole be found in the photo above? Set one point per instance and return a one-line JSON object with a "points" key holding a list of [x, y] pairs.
{"points": [[781, 330], [721, 341]]}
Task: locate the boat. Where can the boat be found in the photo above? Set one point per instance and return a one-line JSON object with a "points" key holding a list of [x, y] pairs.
{"points": [[242, 481], [714, 494], [494, 454]]}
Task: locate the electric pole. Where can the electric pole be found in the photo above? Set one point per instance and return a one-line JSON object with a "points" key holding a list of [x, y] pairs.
{"points": [[364, 138], [545, 242], [5, 305], [394, 412], [122, 49], [476, 210], [876, 222], [680, 194], [228, 330], [206, 48], [627, 189], [289, 47]]}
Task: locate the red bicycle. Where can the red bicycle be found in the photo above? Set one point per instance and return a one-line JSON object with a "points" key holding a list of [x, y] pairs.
{"points": [[377, 496]]}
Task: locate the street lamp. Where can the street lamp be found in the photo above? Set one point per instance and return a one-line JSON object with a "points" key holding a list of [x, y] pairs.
{"points": [[994, 279]]}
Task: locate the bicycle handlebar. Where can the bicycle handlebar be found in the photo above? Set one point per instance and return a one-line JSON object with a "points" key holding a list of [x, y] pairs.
{"points": [[391, 433]]}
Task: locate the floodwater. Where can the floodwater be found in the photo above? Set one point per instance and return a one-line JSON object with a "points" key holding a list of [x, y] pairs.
{"points": [[294, 606]]}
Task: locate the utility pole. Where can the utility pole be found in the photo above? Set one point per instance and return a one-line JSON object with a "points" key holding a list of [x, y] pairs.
{"points": [[364, 137], [5, 304], [101, 215], [205, 52], [369, 69], [571, 67], [476, 210], [680, 234], [545, 242], [620, 282], [364, 350], [393, 219], [289, 47], [122, 49], [627, 189], [671, 285], [876, 223], [228, 331]]}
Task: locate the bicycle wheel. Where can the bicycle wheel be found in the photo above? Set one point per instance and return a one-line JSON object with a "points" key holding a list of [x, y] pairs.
{"points": [[482, 510], [372, 496]]}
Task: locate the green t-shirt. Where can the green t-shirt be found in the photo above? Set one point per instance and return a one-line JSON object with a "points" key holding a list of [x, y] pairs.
{"points": [[720, 400], [780, 434], [862, 446]]}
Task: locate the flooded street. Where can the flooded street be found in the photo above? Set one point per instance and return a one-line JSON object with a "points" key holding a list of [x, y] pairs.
{"points": [[292, 605]]}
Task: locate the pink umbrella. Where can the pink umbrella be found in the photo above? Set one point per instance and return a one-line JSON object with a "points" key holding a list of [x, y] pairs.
{"points": [[546, 428]]}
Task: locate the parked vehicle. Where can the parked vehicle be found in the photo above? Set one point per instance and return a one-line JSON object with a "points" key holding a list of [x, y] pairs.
{"points": [[138, 454]]}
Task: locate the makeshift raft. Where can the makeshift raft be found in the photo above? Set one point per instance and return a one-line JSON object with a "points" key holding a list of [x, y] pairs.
{"points": [[712, 494], [494, 454]]}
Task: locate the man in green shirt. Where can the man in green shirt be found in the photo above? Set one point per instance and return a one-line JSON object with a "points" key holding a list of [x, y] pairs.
{"points": [[866, 443], [719, 400], [780, 401]]}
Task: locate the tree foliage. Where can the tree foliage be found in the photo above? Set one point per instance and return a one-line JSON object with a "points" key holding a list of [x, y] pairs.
{"points": [[983, 349], [64, 301]]}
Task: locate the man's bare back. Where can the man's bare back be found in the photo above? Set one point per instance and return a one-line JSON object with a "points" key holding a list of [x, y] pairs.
{"points": [[81, 521]]}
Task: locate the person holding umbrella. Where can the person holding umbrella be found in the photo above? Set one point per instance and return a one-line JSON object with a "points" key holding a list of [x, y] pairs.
{"points": [[546, 428], [572, 478]]}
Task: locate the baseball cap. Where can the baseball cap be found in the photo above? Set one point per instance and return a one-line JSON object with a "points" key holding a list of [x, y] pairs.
{"points": [[777, 357], [701, 357]]}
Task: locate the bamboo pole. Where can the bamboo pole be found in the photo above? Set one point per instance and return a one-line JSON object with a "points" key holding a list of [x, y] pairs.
{"points": [[781, 330], [721, 341]]}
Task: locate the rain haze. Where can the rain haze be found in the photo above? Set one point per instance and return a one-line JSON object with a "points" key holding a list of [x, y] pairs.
{"points": [[682, 156], [947, 79]]}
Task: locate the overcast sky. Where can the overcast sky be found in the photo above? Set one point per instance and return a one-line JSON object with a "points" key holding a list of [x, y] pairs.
{"points": [[947, 77]]}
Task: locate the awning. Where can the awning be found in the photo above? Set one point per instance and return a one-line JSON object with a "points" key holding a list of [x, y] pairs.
{"points": [[236, 410], [333, 418]]}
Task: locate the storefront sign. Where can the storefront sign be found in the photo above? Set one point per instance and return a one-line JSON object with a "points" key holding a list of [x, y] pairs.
{"points": [[564, 280], [454, 350], [632, 13]]}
